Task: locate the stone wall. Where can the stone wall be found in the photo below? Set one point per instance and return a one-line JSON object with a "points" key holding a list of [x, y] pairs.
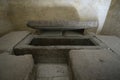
{"points": [[5, 24], [93, 9], [112, 24], [22, 11], [19, 12]]}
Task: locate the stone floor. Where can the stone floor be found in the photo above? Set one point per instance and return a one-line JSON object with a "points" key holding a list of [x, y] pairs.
{"points": [[46, 71]]}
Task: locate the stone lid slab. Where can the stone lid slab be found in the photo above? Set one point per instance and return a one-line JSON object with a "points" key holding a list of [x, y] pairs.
{"points": [[62, 25]]}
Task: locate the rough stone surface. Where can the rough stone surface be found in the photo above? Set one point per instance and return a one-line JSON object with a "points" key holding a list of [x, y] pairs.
{"points": [[5, 24], [95, 65], [15, 67], [51, 33], [62, 25], [8, 41], [72, 33], [52, 72], [112, 42]]}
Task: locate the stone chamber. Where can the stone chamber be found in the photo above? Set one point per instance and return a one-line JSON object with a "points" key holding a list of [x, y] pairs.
{"points": [[61, 46]]}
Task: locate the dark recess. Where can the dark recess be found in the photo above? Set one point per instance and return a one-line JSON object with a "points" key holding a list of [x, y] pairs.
{"points": [[61, 42]]}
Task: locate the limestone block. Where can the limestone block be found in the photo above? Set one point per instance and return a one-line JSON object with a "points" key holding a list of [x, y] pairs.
{"points": [[15, 67], [95, 65], [8, 41]]}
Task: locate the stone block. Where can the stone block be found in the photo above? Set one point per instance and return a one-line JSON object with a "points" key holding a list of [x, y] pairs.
{"points": [[8, 41]]}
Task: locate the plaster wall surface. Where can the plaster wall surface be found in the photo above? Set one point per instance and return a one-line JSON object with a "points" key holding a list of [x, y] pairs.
{"points": [[93, 10], [5, 24], [112, 23], [22, 11]]}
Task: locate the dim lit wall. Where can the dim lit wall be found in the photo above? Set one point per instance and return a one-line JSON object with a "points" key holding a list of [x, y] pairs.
{"points": [[112, 23], [5, 24], [19, 12], [22, 11]]}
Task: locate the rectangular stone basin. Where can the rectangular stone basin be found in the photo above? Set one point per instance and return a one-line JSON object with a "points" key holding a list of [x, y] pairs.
{"points": [[36, 44], [61, 41]]}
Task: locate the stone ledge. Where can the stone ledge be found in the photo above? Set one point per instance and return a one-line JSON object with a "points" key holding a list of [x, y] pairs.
{"points": [[8, 41], [95, 65]]}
